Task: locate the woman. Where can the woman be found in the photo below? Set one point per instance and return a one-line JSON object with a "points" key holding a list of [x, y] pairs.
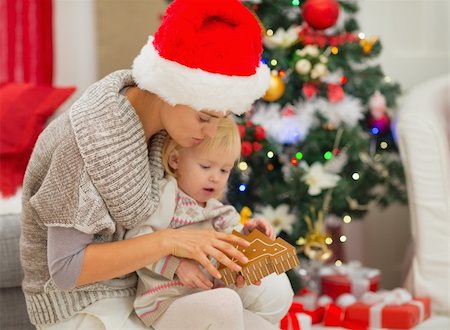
{"points": [[95, 170]]}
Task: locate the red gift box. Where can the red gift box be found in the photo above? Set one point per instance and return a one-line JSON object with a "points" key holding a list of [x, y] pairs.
{"points": [[308, 301], [315, 314], [335, 285], [351, 278], [404, 316], [296, 319]]}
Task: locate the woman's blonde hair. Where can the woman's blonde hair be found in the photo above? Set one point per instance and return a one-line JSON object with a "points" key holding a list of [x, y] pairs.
{"points": [[227, 140]]}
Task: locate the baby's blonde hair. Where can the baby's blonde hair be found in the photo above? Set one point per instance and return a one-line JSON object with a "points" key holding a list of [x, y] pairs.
{"points": [[227, 140]]}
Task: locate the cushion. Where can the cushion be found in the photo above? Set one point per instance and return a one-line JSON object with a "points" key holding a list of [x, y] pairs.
{"points": [[11, 274], [24, 111], [13, 309]]}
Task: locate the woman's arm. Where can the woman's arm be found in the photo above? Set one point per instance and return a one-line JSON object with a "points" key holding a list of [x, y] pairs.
{"points": [[103, 261]]}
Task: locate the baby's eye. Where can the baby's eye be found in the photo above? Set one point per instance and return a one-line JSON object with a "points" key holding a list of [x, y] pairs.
{"points": [[225, 171], [204, 166]]}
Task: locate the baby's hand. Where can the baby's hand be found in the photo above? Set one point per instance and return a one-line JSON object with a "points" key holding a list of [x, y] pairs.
{"points": [[262, 225], [190, 274], [240, 282]]}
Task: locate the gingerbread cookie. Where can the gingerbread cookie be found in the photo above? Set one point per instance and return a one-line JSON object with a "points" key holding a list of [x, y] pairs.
{"points": [[265, 256]]}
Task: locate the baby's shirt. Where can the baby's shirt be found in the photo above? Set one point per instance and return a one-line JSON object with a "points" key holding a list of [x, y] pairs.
{"points": [[177, 209], [158, 286]]}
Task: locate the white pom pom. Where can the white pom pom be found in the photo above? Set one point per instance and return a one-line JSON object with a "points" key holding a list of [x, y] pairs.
{"points": [[345, 300], [402, 296], [324, 301], [370, 298]]}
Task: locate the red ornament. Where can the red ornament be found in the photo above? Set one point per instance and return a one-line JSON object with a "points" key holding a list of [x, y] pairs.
{"points": [[257, 146], [335, 93], [310, 90], [321, 14], [241, 131], [288, 111], [309, 36], [246, 149], [260, 133]]}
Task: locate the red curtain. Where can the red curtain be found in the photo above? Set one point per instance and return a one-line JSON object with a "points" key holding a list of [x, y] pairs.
{"points": [[26, 46]]}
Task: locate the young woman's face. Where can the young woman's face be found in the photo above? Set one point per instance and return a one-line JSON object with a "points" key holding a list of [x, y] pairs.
{"points": [[187, 126], [202, 175]]}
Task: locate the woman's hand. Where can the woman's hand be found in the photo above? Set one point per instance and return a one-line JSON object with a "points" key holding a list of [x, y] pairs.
{"points": [[190, 274], [199, 244], [262, 225]]}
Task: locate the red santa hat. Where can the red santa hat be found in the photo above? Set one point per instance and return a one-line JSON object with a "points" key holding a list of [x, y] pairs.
{"points": [[205, 54]]}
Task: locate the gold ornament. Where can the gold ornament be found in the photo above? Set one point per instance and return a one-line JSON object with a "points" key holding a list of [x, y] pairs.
{"points": [[246, 213], [276, 89], [367, 44], [314, 243]]}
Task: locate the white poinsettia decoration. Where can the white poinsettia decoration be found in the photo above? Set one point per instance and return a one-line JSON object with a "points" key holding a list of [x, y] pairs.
{"points": [[337, 162], [279, 218], [289, 124], [282, 38], [318, 178], [346, 112]]}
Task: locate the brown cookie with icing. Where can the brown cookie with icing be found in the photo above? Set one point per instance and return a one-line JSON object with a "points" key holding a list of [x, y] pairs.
{"points": [[266, 256]]}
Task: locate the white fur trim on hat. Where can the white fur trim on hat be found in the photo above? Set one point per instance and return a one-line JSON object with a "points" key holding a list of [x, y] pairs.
{"points": [[179, 84]]}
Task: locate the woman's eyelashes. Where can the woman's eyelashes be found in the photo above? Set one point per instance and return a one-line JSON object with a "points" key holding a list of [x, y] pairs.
{"points": [[204, 119]]}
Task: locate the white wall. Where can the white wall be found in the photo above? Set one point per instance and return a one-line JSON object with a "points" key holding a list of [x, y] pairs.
{"points": [[75, 44], [415, 37]]}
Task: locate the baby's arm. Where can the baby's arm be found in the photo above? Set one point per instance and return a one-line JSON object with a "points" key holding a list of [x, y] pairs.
{"points": [[190, 274], [166, 266]]}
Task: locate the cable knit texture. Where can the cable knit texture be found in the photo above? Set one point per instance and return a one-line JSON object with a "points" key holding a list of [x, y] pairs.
{"points": [[91, 170]]}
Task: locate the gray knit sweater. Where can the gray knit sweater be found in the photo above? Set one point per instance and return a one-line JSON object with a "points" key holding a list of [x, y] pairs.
{"points": [[90, 170]]}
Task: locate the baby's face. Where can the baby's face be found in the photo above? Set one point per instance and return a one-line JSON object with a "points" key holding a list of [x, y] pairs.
{"points": [[203, 175]]}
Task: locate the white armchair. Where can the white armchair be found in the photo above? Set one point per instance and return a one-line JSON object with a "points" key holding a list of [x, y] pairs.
{"points": [[424, 140]]}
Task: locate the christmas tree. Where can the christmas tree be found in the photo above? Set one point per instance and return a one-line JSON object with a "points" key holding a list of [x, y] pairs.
{"points": [[319, 144]]}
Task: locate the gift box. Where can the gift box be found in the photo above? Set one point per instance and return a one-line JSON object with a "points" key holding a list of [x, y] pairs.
{"points": [[295, 319], [349, 278], [305, 301], [390, 312]]}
